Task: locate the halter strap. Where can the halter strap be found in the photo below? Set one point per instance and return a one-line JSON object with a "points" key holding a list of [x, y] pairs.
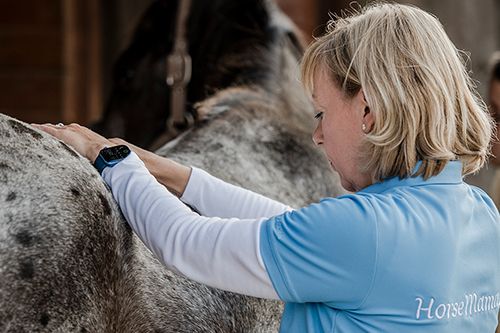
{"points": [[178, 75]]}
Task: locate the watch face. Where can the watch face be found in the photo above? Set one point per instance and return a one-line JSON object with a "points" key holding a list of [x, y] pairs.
{"points": [[115, 153]]}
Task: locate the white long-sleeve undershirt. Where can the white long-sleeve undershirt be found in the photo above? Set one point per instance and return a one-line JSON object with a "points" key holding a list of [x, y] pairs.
{"points": [[211, 196], [222, 251]]}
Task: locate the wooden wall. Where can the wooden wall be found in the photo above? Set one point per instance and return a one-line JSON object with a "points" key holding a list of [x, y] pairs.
{"points": [[30, 59], [50, 60]]}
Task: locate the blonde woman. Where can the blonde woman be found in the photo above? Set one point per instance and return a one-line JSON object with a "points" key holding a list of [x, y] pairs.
{"points": [[413, 249]]}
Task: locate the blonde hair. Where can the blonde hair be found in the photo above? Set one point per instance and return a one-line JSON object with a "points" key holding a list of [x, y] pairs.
{"points": [[415, 81]]}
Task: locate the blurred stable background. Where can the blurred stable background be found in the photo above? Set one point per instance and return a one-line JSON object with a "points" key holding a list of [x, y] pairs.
{"points": [[56, 56]]}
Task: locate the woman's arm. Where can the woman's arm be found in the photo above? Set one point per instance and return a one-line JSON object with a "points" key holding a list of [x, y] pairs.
{"points": [[222, 253], [209, 195]]}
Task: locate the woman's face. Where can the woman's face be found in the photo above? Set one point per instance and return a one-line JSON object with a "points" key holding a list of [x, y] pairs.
{"points": [[494, 101], [340, 130]]}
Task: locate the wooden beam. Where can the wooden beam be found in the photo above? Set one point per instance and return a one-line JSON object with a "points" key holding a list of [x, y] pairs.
{"points": [[82, 83]]}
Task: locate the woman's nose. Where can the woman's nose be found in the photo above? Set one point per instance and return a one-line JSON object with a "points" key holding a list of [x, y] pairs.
{"points": [[318, 135]]}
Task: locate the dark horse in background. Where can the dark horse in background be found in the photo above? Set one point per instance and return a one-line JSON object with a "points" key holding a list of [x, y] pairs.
{"points": [[231, 43], [69, 262]]}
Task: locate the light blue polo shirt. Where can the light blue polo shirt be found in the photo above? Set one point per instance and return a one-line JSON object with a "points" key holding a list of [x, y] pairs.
{"points": [[399, 256]]}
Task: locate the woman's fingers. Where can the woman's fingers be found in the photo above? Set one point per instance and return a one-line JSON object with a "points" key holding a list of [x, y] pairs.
{"points": [[84, 140]]}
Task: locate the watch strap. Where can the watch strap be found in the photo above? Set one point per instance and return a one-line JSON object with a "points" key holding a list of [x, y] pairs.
{"points": [[100, 163]]}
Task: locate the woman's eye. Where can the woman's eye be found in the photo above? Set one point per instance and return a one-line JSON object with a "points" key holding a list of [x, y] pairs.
{"points": [[318, 115]]}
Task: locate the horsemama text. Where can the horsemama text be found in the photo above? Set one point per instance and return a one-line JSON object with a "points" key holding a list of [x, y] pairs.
{"points": [[470, 306]]}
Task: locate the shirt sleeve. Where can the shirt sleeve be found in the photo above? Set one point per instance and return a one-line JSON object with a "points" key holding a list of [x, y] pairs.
{"points": [[220, 252], [323, 253], [213, 197]]}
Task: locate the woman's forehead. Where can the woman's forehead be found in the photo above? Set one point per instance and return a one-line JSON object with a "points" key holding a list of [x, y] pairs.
{"points": [[320, 81]]}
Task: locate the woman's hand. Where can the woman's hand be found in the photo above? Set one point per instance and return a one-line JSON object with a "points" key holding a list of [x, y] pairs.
{"points": [[85, 141], [170, 174]]}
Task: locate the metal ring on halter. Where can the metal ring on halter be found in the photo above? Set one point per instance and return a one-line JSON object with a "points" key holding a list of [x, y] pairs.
{"points": [[59, 124]]}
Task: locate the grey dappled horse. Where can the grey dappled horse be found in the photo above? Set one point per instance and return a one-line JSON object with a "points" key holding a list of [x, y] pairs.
{"points": [[70, 263]]}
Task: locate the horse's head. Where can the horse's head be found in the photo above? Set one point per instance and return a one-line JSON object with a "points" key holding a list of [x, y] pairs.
{"points": [[230, 43]]}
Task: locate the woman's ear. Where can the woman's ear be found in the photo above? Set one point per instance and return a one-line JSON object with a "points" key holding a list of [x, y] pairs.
{"points": [[368, 116]]}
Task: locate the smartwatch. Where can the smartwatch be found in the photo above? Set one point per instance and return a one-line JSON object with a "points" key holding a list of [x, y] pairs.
{"points": [[111, 156]]}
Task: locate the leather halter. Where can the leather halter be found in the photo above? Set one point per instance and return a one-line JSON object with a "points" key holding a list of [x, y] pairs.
{"points": [[178, 75]]}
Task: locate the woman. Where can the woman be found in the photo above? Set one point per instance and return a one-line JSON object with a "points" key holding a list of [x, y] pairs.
{"points": [[415, 249]]}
